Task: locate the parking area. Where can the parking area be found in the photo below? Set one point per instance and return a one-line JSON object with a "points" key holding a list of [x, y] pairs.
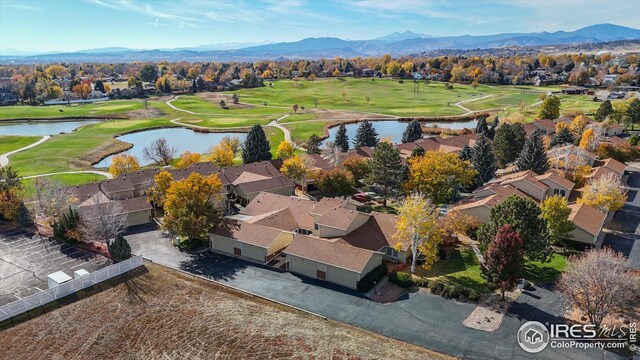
{"points": [[26, 260], [623, 233]]}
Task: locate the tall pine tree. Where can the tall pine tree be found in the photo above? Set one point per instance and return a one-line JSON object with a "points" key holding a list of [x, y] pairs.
{"points": [[564, 136], [386, 170], [342, 139], [256, 146], [483, 160], [366, 135], [508, 142], [533, 155], [412, 132], [466, 153], [482, 127], [604, 110]]}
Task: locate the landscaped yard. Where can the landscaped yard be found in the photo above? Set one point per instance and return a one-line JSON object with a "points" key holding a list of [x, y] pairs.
{"points": [[462, 267], [11, 142]]}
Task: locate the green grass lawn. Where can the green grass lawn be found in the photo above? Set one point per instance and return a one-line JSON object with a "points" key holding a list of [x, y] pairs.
{"points": [[100, 108], [462, 267], [385, 96], [65, 179], [76, 150], [13, 142], [300, 132]]}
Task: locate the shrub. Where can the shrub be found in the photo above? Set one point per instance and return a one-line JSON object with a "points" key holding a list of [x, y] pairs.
{"points": [[119, 249], [473, 295], [366, 283], [401, 279], [437, 287], [422, 282], [65, 228], [190, 244]]}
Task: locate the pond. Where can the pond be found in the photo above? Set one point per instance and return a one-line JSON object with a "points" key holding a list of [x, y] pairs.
{"points": [[42, 128], [181, 139], [394, 129]]}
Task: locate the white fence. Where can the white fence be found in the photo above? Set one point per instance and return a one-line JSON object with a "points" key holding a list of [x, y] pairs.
{"points": [[46, 296]]}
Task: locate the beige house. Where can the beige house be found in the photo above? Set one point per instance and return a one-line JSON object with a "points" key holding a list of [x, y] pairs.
{"points": [[136, 210], [330, 261], [588, 221], [248, 241], [485, 199]]}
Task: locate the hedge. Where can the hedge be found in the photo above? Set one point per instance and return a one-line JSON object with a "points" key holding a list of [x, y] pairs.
{"points": [[401, 279], [366, 283]]}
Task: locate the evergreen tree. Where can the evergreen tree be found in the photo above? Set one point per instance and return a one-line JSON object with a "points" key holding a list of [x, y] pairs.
{"points": [[466, 153], [167, 86], [119, 249], [550, 108], [533, 155], [342, 139], [482, 127], [508, 142], [194, 87], [633, 111], [412, 132], [386, 170], [604, 110], [417, 151], [99, 86], [483, 160], [256, 146], [313, 144], [564, 136], [366, 135], [524, 216]]}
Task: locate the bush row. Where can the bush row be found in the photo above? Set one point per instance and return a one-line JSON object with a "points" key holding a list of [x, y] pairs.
{"points": [[446, 290], [401, 279]]}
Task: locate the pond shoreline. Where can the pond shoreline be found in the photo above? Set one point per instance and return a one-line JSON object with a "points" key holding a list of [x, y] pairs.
{"points": [[64, 118]]}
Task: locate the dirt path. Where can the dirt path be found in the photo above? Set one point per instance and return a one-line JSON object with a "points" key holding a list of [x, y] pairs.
{"points": [[4, 158], [469, 111]]}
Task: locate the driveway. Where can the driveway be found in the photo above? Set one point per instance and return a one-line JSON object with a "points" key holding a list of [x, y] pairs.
{"points": [[418, 318], [623, 233]]}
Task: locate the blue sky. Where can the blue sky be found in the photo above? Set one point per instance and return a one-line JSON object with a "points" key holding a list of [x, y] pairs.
{"points": [[68, 25]]}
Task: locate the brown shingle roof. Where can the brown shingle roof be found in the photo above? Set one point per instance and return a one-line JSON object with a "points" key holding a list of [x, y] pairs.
{"points": [[266, 184], [246, 232], [587, 218], [560, 180], [128, 206], [329, 252], [116, 185], [376, 233]]}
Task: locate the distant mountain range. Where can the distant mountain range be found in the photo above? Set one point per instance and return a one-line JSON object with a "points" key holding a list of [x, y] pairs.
{"points": [[396, 44]]}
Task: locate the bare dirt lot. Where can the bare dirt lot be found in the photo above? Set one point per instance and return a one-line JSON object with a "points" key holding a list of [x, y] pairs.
{"points": [[165, 314]]}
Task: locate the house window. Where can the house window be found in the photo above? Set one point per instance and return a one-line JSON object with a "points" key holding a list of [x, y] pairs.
{"points": [[558, 192], [237, 251], [389, 251], [321, 275], [315, 226]]}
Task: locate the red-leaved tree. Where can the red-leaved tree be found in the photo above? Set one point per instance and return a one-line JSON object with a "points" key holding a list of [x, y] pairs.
{"points": [[503, 261]]}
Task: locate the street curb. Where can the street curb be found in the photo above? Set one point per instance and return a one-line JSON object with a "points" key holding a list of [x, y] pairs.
{"points": [[237, 289]]}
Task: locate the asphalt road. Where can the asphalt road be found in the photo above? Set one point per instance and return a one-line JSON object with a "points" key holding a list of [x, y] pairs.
{"points": [[418, 318]]}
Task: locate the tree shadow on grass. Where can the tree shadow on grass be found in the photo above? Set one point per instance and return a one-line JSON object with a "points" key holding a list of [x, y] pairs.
{"points": [[538, 274], [214, 266], [453, 263]]}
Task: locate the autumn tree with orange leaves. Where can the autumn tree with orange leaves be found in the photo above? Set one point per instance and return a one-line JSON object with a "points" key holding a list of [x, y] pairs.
{"points": [[190, 206]]}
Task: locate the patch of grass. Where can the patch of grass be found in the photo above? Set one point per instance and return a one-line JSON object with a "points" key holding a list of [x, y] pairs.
{"points": [[13, 142], [302, 131], [100, 108], [76, 150], [538, 272], [65, 179], [461, 267], [385, 96]]}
